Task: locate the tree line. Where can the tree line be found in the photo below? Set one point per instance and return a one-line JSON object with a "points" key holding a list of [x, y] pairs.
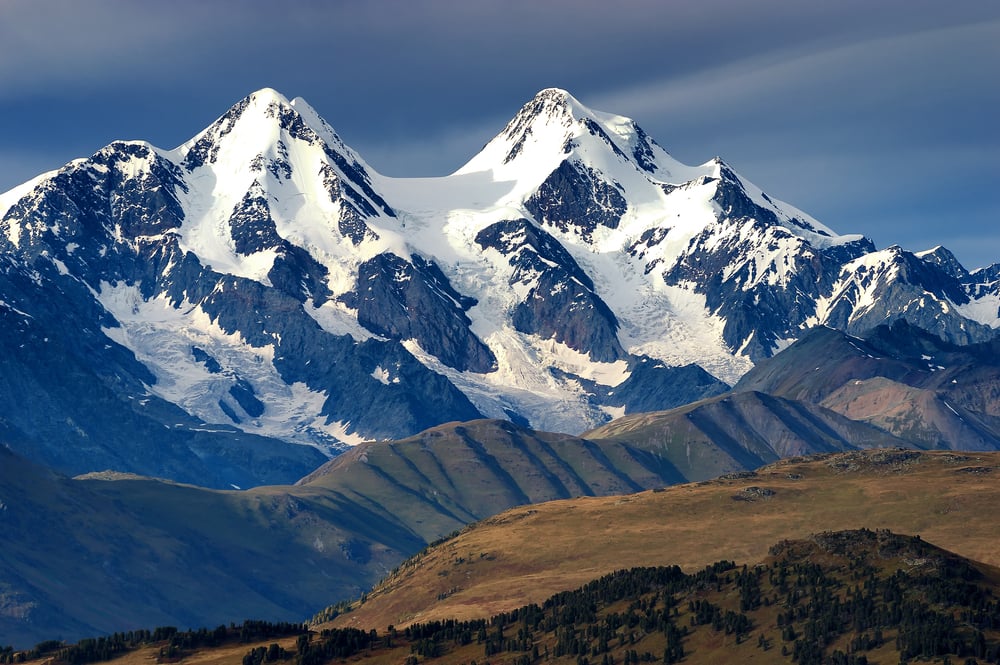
{"points": [[172, 642], [793, 604]]}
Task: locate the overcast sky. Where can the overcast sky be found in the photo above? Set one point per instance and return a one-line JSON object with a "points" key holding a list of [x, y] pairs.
{"points": [[875, 117]]}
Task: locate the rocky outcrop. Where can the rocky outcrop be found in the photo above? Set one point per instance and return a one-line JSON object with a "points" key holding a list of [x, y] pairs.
{"points": [[404, 300], [560, 302], [575, 197]]}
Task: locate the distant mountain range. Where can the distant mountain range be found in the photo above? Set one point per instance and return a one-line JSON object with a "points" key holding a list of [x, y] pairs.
{"points": [[234, 311], [829, 391]]}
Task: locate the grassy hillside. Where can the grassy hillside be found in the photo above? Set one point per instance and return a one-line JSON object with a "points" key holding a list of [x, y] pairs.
{"points": [[526, 554], [838, 597], [444, 478], [853, 597], [111, 552]]}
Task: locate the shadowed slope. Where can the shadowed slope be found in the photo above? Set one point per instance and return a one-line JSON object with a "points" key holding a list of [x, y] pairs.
{"points": [[160, 553], [85, 557], [458, 473], [901, 379]]}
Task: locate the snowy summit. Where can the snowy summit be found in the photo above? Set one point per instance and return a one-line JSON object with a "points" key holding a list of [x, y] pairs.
{"points": [[262, 280]]}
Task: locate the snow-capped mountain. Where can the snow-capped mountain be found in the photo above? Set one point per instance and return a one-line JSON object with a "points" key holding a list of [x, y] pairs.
{"points": [[261, 285]]}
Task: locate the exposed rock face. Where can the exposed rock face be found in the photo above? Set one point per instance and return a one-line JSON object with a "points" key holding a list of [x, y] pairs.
{"points": [[574, 197], [896, 285], [251, 225], [759, 276], [402, 300], [560, 302]]}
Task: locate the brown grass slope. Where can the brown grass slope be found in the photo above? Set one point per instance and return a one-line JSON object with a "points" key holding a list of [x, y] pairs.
{"points": [[527, 554], [856, 596], [876, 597]]}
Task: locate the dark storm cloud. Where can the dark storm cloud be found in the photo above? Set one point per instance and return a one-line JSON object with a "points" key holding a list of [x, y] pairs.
{"points": [[813, 101]]}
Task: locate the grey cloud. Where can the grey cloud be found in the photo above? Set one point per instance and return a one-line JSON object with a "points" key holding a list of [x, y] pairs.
{"points": [[893, 137], [418, 86]]}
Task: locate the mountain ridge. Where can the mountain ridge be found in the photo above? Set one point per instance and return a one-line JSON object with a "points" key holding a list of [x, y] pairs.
{"points": [[261, 280]]}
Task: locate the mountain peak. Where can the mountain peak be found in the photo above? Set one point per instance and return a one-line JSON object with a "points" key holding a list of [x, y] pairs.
{"points": [[945, 260], [264, 121], [264, 103], [549, 118], [268, 94], [252, 123], [554, 93], [550, 127], [552, 103]]}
